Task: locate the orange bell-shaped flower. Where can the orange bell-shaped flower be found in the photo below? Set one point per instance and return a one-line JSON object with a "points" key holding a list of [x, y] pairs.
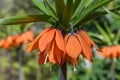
{"points": [[110, 51], [25, 38], [78, 43], [51, 45]]}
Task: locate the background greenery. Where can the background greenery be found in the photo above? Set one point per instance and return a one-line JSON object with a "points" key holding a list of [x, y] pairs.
{"points": [[99, 70]]}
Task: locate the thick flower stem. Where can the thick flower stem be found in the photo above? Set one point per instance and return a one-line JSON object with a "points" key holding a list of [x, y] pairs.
{"points": [[10, 65], [63, 72], [113, 70]]}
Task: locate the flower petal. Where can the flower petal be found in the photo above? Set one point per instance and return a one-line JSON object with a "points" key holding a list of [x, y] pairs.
{"points": [[46, 38], [59, 55], [35, 43], [87, 38], [51, 55], [59, 40], [86, 50], [73, 47]]}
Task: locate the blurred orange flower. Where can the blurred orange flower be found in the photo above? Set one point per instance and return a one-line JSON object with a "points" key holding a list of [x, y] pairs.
{"points": [[51, 45], [110, 51], [78, 43], [24, 38], [15, 40]]}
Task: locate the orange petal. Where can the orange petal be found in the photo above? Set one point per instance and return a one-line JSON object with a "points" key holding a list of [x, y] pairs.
{"points": [[51, 55], [59, 55], [59, 40], [73, 47], [114, 52], [87, 38], [45, 39], [2, 42], [118, 50], [35, 43], [86, 50]]}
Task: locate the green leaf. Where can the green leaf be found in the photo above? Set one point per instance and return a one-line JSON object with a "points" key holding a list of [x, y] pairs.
{"points": [[117, 37], [88, 2], [95, 35], [108, 30], [67, 13], [26, 19], [115, 16], [104, 34], [95, 15], [89, 10], [41, 6], [51, 9], [60, 6], [79, 8]]}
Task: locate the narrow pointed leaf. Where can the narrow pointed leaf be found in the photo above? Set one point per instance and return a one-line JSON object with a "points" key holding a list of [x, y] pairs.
{"points": [[68, 13], [98, 36], [51, 8], [26, 19], [88, 2], [89, 10], [60, 6], [80, 8], [115, 16], [104, 34], [40, 5]]}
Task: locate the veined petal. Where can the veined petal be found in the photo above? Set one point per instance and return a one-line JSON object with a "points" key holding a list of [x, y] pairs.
{"points": [[87, 38], [51, 54], [59, 55], [59, 40], [73, 47], [66, 38], [35, 43], [86, 50], [46, 38]]}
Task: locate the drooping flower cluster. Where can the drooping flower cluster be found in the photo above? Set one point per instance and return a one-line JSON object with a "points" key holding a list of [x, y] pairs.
{"points": [[110, 51], [56, 48], [16, 40]]}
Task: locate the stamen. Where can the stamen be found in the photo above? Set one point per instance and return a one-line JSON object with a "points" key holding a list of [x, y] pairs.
{"points": [[74, 69], [46, 59], [50, 67]]}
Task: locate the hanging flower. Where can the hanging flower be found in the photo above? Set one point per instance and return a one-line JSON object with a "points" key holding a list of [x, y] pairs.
{"points": [[78, 43], [15, 40], [51, 45], [24, 38], [8, 42], [110, 52]]}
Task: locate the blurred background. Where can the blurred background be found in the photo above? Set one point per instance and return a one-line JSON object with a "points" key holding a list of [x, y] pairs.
{"points": [[10, 68]]}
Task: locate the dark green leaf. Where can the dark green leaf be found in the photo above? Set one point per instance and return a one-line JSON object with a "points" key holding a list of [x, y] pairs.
{"points": [[67, 13], [60, 6], [26, 19]]}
